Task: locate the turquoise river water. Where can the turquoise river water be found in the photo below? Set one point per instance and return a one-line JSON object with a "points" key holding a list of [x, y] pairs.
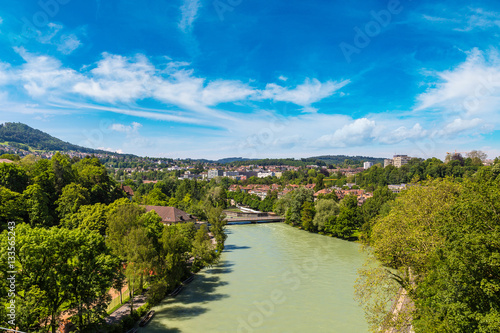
{"points": [[271, 278]]}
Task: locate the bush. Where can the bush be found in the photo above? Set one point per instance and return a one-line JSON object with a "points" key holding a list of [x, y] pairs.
{"points": [[128, 322], [143, 310], [157, 292], [115, 328]]}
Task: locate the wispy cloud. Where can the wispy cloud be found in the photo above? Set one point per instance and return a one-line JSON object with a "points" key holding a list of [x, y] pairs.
{"points": [[120, 84], [479, 18], [460, 125], [57, 35], [469, 19], [473, 87], [189, 13], [306, 94]]}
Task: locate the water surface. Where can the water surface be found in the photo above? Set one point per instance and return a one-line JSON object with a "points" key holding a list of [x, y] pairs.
{"points": [[271, 278]]}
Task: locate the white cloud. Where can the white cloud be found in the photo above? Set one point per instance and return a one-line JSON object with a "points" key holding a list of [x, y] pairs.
{"points": [[478, 18], [403, 133], [119, 151], [42, 74], [133, 129], [359, 132], [189, 13], [118, 79], [467, 19], [283, 78], [311, 91], [68, 43], [123, 79], [460, 125], [473, 87]]}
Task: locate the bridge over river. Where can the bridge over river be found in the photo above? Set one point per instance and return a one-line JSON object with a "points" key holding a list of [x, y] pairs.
{"points": [[254, 219]]}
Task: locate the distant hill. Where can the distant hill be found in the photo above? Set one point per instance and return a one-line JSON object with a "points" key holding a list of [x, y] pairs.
{"points": [[24, 137], [233, 159], [340, 159], [326, 160]]}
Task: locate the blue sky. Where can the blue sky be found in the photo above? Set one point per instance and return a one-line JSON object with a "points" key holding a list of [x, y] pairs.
{"points": [[254, 78]]}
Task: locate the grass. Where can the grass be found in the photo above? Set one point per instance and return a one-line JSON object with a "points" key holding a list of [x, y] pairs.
{"points": [[236, 210], [118, 305], [115, 303]]}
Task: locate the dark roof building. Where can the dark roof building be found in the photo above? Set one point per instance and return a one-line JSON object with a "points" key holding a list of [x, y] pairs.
{"points": [[171, 215], [128, 190]]}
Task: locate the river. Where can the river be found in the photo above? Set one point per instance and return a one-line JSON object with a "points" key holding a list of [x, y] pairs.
{"points": [[271, 278]]}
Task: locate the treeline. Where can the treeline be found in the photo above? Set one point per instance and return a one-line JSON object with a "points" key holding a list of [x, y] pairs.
{"points": [[418, 169], [76, 236], [327, 215], [327, 160], [439, 241], [254, 201]]}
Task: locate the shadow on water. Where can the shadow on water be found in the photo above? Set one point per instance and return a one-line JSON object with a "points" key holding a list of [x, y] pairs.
{"points": [[231, 247], [189, 303], [159, 328], [222, 268]]}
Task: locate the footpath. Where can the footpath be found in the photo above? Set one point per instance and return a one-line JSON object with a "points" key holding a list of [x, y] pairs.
{"points": [[124, 310]]}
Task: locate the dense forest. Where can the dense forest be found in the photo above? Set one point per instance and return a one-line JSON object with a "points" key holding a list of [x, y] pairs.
{"points": [[65, 219]]}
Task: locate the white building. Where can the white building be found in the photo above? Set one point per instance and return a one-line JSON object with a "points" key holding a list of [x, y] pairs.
{"points": [[367, 165], [265, 174]]}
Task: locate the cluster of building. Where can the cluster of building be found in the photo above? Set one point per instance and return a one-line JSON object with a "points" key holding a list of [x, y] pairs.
{"points": [[398, 161], [263, 190]]}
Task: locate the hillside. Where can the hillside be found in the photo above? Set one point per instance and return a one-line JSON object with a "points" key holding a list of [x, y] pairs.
{"points": [[24, 137], [317, 160]]}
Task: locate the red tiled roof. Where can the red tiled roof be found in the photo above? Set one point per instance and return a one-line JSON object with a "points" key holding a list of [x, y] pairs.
{"points": [[127, 189], [171, 214]]}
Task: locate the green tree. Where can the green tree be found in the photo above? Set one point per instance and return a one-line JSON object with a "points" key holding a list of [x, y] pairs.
{"points": [[89, 217], [307, 216], [175, 248], [202, 250], [13, 177], [325, 209], [156, 198], [57, 271], [38, 206], [348, 220], [62, 171], [11, 207], [128, 239], [72, 198], [217, 220]]}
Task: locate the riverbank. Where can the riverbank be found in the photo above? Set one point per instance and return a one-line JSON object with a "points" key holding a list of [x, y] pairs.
{"points": [[402, 304]]}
